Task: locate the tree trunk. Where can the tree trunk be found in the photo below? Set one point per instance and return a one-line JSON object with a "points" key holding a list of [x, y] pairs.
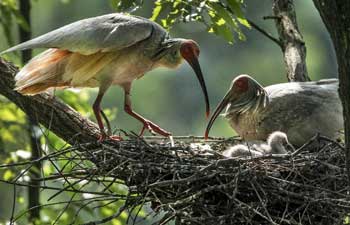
{"points": [[292, 44], [35, 145], [25, 34], [335, 14]]}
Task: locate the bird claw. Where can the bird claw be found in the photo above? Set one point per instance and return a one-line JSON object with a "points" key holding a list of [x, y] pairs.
{"points": [[153, 129]]}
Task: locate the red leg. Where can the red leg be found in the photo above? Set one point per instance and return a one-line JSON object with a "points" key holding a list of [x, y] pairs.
{"points": [[97, 111], [108, 124], [147, 124]]}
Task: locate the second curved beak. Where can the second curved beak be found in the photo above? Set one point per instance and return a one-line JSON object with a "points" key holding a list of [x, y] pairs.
{"points": [[224, 102]]}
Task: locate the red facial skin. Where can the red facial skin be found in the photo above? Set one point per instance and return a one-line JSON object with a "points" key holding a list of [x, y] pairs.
{"points": [[189, 50], [241, 84]]}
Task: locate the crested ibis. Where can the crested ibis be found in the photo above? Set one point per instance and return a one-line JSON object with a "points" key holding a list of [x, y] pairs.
{"points": [[299, 109], [112, 49]]}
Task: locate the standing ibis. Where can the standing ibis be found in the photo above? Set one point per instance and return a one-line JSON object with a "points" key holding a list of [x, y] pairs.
{"points": [[113, 49], [299, 109], [277, 143]]}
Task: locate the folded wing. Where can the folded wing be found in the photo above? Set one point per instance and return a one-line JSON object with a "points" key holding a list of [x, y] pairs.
{"points": [[98, 34]]}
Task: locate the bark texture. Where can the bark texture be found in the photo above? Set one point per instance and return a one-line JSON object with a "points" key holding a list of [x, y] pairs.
{"points": [[335, 15], [292, 43], [60, 118]]}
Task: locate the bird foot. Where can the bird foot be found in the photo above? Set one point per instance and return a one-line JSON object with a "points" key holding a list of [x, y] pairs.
{"points": [[153, 129], [104, 137]]}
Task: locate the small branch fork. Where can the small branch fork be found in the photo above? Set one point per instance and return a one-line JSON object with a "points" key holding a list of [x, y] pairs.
{"points": [[192, 186], [290, 39], [265, 33]]}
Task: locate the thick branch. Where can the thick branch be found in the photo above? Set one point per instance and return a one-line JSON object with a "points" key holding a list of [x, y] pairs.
{"points": [[60, 118], [293, 46], [335, 15]]}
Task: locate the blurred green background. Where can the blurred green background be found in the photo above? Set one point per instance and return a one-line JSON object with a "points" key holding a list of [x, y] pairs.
{"points": [[173, 99]]}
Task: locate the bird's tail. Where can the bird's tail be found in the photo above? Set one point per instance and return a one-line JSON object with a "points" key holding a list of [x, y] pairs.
{"points": [[42, 72]]}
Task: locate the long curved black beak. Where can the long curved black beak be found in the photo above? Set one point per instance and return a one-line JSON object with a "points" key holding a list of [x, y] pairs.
{"points": [[197, 69], [219, 108]]}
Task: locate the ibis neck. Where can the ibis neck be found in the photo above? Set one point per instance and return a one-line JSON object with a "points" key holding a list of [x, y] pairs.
{"points": [[250, 103]]}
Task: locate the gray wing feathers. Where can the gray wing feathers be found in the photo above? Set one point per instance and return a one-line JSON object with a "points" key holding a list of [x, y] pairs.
{"points": [[103, 33]]}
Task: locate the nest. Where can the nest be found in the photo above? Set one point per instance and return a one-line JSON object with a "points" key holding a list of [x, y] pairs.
{"points": [[196, 186]]}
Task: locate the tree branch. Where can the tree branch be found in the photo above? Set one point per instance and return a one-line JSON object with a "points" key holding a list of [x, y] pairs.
{"points": [[265, 33], [293, 46], [60, 118]]}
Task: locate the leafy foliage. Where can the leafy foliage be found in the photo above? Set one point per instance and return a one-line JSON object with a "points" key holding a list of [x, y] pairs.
{"points": [[126, 5], [221, 17], [9, 11], [12, 124]]}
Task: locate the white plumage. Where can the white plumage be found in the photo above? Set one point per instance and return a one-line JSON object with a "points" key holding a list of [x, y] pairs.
{"points": [[277, 143]]}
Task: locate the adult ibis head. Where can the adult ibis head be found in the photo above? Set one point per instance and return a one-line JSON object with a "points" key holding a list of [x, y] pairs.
{"points": [[174, 51], [245, 94]]}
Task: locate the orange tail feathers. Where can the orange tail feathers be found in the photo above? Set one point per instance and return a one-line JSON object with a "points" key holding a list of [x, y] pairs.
{"points": [[39, 88], [42, 72]]}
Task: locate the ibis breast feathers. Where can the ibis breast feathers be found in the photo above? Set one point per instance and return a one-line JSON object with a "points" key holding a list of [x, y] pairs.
{"points": [[105, 33]]}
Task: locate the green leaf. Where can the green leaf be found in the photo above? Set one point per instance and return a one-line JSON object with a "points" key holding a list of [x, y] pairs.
{"points": [[177, 3], [219, 27], [125, 5], [9, 3], [114, 4], [222, 22], [8, 175], [156, 12], [225, 32], [236, 8], [221, 11]]}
